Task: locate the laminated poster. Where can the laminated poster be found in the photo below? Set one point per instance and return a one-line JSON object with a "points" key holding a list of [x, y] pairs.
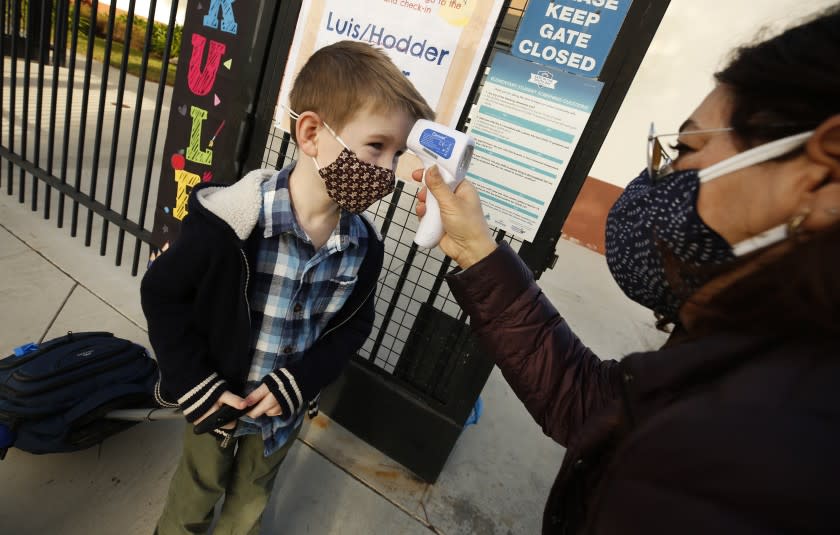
{"points": [[526, 125]]}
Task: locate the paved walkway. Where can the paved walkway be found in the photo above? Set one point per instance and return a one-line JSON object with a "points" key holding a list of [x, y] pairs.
{"points": [[496, 480]]}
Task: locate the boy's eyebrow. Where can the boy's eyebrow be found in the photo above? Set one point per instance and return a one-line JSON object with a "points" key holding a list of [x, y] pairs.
{"points": [[387, 138]]}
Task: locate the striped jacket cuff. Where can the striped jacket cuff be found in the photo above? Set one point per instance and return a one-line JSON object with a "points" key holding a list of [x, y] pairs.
{"points": [[201, 398], [282, 384], [160, 400]]}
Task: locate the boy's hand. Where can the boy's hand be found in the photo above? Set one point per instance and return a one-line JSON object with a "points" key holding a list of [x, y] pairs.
{"points": [[227, 398], [466, 236], [264, 403]]}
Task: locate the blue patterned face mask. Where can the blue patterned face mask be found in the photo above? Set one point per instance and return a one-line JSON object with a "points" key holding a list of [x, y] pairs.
{"points": [[654, 220], [648, 219]]}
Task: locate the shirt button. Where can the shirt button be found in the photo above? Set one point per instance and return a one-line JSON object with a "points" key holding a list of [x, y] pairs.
{"points": [[288, 349], [298, 307]]}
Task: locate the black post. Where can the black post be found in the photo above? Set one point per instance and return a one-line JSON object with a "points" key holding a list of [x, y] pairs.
{"points": [[620, 68], [60, 40], [278, 44]]}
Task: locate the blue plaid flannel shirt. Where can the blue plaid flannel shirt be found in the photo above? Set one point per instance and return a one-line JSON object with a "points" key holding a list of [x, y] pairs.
{"points": [[296, 291]]}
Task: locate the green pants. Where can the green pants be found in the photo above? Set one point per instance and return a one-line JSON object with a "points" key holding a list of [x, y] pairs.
{"points": [[206, 471]]}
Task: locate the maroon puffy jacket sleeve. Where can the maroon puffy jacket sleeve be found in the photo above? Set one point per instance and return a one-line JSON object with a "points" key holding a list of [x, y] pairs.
{"points": [[560, 381]]}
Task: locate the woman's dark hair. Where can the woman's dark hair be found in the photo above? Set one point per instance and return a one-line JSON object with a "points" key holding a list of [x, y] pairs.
{"points": [[787, 84], [794, 294], [783, 86]]}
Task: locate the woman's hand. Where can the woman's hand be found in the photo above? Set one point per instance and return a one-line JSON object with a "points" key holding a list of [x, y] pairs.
{"points": [[466, 237]]}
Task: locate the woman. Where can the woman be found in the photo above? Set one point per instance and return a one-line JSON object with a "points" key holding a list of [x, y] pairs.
{"points": [[733, 426]]}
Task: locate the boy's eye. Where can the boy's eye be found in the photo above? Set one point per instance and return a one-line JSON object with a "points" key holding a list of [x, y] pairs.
{"points": [[375, 146]]}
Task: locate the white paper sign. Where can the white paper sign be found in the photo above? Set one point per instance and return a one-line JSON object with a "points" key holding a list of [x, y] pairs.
{"points": [[527, 124], [438, 44]]}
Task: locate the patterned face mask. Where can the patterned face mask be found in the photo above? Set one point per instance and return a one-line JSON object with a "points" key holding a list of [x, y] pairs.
{"points": [[354, 185], [649, 219], [652, 219]]}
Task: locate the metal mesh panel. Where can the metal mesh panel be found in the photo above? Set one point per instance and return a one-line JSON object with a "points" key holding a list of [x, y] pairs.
{"points": [[411, 278]]}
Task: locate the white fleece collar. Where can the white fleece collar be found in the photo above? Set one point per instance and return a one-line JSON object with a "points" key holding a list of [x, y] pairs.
{"points": [[239, 204]]}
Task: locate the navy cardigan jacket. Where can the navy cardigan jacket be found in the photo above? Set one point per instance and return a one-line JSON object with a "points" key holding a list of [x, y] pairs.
{"points": [[195, 299]]}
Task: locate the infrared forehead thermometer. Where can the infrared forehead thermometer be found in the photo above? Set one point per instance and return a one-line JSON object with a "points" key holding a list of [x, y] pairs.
{"points": [[451, 151]]}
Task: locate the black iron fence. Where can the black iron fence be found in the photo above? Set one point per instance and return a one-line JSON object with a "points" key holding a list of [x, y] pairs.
{"points": [[81, 115], [65, 140]]}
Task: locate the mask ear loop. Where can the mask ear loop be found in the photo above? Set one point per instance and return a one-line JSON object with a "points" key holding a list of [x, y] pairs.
{"points": [[336, 136], [295, 115], [755, 156], [766, 238], [292, 114]]}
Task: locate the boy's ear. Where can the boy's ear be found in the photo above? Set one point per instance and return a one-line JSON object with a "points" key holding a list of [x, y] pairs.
{"points": [[306, 132]]}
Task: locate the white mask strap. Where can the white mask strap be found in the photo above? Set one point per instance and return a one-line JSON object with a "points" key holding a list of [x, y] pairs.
{"points": [[295, 115], [754, 156], [343, 144], [768, 237]]}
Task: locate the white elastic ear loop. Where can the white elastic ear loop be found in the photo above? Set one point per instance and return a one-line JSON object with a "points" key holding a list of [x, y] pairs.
{"points": [[755, 155], [343, 144], [294, 115], [768, 237]]}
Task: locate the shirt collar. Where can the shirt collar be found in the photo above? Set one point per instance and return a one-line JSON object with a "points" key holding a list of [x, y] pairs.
{"points": [[277, 216]]}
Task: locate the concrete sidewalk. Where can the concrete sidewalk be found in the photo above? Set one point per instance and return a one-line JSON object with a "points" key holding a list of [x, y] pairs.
{"points": [[496, 480]]}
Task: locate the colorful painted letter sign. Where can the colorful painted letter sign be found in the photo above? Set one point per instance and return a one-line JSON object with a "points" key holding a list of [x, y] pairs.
{"points": [[207, 107], [573, 35]]}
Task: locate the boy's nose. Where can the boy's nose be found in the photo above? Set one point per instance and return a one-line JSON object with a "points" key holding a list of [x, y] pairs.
{"points": [[388, 162]]}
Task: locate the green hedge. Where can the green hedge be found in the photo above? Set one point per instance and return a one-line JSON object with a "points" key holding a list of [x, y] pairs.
{"points": [[138, 31]]}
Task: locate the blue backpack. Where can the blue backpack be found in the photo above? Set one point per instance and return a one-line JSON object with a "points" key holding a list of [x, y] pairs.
{"points": [[54, 397]]}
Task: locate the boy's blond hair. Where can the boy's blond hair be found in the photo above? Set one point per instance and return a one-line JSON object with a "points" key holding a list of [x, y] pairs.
{"points": [[347, 77]]}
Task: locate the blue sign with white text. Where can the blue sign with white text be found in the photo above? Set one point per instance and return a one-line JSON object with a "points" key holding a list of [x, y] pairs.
{"points": [[437, 142], [573, 35]]}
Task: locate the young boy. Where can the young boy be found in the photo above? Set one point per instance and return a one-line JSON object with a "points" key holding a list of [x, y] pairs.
{"points": [[268, 291]]}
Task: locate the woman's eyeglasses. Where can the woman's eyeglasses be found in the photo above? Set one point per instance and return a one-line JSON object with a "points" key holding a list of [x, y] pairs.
{"points": [[660, 158]]}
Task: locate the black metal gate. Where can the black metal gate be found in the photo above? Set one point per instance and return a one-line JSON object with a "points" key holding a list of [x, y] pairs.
{"points": [[412, 386], [81, 114]]}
